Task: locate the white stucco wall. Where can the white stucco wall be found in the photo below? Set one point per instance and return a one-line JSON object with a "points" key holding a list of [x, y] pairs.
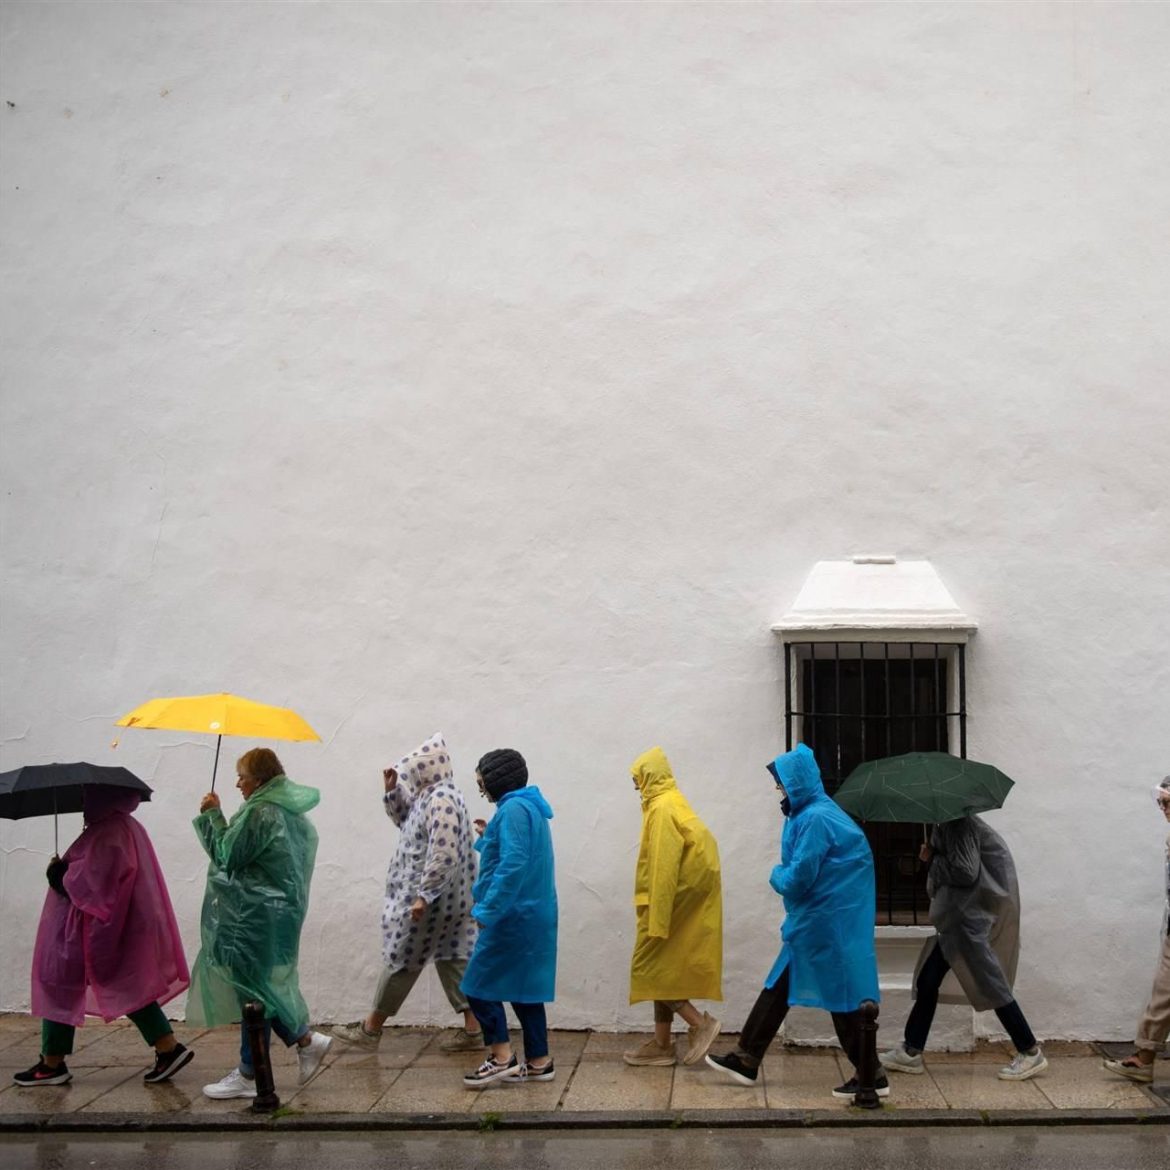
{"points": [[503, 369]]}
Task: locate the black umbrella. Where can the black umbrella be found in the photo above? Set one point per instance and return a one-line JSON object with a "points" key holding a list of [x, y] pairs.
{"points": [[36, 790]]}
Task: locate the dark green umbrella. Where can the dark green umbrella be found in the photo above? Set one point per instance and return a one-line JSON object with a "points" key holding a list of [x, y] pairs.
{"points": [[924, 787]]}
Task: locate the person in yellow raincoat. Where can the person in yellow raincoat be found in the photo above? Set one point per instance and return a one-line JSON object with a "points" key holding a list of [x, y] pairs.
{"points": [[678, 897]]}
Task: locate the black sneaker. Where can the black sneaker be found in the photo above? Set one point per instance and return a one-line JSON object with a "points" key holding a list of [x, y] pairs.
{"points": [[42, 1074], [168, 1063], [848, 1090], [735, 1068], [529, 1072], [491, 1071]]}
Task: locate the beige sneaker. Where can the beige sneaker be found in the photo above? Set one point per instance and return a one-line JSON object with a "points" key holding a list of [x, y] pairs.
{"points": [[699, 1039], [463, 1041], [650, 1053], [357, 1036]]}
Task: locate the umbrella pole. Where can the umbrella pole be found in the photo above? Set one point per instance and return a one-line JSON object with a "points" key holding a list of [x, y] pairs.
{"points": [[215, 766], [56, 841]]}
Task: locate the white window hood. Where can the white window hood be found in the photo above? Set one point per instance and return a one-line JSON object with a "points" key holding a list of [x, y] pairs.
{"points": [[875, 595]]}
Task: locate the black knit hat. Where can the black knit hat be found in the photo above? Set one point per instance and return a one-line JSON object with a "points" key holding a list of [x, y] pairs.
{"points": [[503, 770]]}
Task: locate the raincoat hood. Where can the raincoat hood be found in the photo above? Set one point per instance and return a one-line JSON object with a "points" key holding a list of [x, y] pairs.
{"points": [[101, 801], [530, 795], [651, 771], [797, 770], [429, 764], [284, 793]]}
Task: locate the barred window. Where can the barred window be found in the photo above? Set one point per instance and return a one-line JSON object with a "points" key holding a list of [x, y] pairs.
{"points": [[856, 701]]}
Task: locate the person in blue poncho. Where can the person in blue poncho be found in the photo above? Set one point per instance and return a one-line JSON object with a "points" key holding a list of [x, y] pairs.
{"points": [[515, 895], [827, 957]]}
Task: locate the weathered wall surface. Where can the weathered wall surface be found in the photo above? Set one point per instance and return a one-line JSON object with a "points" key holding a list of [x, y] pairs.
{"points": [[503, 369]]}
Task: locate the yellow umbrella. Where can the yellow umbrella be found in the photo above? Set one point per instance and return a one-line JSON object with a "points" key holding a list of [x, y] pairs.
{"points": [[220, 715]]}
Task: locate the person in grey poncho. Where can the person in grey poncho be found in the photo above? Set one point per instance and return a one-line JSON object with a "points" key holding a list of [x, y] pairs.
{"points": [[975, 909]]}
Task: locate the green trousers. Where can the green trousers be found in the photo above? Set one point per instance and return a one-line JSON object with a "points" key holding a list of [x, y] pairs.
{"points": [[57, 1039]]}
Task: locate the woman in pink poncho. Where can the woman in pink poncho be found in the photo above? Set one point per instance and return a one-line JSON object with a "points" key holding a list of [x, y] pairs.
{"points": [[108, 944]]}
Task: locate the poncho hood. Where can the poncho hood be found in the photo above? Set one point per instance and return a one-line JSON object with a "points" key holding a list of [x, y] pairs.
{"points": [[530, 795], [651, 771], [286, 794], [100, 801], [429, 764], [797, 770]]}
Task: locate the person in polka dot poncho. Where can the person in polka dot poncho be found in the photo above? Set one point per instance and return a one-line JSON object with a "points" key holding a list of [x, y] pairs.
{"points": [[426, 916]]}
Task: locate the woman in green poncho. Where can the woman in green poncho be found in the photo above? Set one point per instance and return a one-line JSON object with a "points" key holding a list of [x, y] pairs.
{"points": [[253, 911]]}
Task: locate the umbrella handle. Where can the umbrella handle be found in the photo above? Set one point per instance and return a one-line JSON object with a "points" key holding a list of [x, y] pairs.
{"points": [[215, 766]]}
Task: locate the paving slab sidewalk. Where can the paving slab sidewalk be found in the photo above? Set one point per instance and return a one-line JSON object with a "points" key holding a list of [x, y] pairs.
{"points": [[409, 1083]]}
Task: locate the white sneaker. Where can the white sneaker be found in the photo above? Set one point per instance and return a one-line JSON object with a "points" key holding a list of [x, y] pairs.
{"points": [[899, 1060], [310, 1056], [1023, 1066], [235, 1084]]}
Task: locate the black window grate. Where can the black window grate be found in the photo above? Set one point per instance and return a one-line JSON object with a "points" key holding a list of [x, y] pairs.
{"points": [[856, 701]]}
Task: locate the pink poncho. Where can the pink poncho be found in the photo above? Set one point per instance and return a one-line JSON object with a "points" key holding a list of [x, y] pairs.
{"points": [[113, 946]]}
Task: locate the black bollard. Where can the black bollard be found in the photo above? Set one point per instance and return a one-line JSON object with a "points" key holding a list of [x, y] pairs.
{"points": [[266, 1100], [867, 1065]]}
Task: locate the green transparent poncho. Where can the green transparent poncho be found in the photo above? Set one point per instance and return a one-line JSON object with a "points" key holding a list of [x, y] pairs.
{"points": [[254, 907]]}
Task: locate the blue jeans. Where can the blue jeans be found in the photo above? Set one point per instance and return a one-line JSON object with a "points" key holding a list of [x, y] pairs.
{"points": [[494, 1022], [270, 1026]]}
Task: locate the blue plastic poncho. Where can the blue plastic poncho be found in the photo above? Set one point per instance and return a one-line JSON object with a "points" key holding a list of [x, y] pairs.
{"points": [[826, 879], [515, 956], [254, 907]]}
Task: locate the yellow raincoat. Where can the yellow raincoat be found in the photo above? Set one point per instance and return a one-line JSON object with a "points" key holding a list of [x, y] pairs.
{"points": [[678, 895]]}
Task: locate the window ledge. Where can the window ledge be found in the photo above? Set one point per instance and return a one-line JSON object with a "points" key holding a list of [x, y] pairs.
{"points": [[895, 933], [869, 594]]}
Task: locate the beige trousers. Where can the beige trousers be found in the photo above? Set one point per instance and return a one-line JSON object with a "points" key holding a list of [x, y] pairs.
{"points": [[1154, 1026], [394, 986]]}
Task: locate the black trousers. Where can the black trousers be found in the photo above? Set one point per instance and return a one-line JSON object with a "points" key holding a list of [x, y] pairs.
{"points": [[921, 1016], [768, 1014]]}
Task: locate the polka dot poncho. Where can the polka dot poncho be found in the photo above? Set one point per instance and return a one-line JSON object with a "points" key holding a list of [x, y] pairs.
{"points": [[435, 860]]}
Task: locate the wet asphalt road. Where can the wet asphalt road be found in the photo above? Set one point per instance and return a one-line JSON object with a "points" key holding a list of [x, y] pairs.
{"points": [[1036, 1148]]}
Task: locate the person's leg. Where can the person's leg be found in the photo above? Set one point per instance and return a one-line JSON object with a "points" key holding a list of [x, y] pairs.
{"points": [[534, 1026], [393, 988], [154, 1027], [56, 1042], [1016, 1027], [926, 988], [847, 1025], [1154, 1026], [1029, 1060], [659, 1050], [170, 1055], [851, 1036], [664, 1012], [451, 972], [494, 1020], [290, 1036], [763, 1022], [50, 1068]]}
